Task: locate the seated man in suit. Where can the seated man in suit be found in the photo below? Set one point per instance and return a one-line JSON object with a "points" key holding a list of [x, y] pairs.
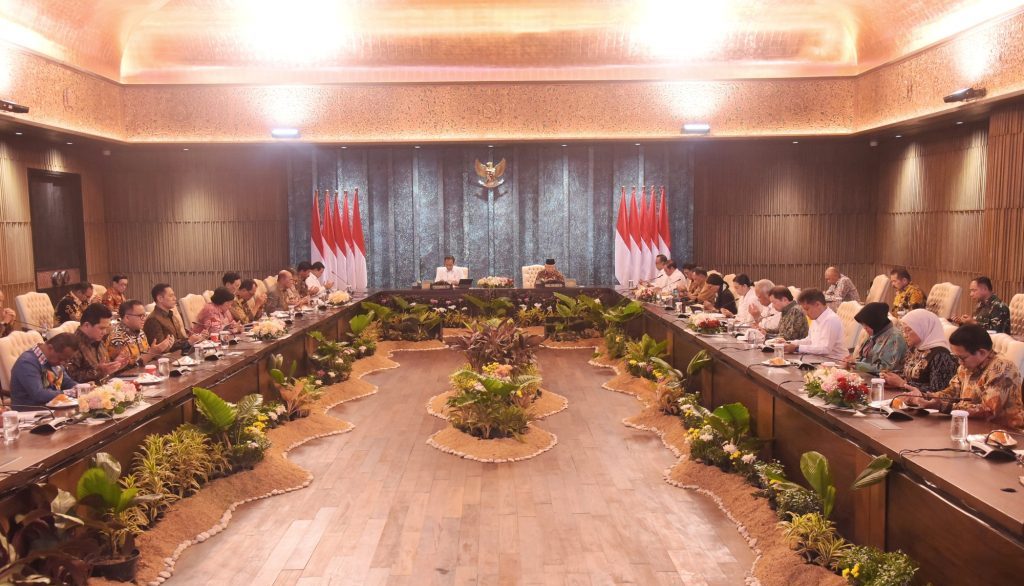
{"points": [[549, 275], [38, 376], [164, 321], [283, 296], [91, 362], [450, 273]]}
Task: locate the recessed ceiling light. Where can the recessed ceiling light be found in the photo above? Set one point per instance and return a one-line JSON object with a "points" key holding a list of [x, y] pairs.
{"points": [[899, 136], [490, 146], [796, 142], [344, 147], [696, 128], [185, 149], [565, 145], [959, 121], [636, 144], [69, 142], [416, 147], [19, 133], [285, 132]]}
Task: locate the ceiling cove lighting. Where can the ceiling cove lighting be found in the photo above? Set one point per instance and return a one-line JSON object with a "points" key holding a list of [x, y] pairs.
{"points": [[285, 133], [965, 95], [696, 128]]}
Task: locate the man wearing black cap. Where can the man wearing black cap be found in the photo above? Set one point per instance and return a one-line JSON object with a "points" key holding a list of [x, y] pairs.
{"points": [[549, 275]]}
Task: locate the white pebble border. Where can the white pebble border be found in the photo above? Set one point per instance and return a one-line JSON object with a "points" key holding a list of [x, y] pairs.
{"points": [[447, 450], [222, 524]]}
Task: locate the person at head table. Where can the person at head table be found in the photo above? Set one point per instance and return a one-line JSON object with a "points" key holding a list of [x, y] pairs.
{"points": [[760, 311], [986, 385], [164, 321], [990, 312], [790, 322], [928, 365], [7, 317], [71, 306], [698, 290], [670, 280], [114, 296], [825, 337], [743, 292], [549, 275], [449, 273], [127, 338], [91, 362], [317, 271], [885, 348], [249, 302], [908, 295], [216, 315], [283, 296], [306, 284], [39, 375], [658, 282], [722, 300], [840, 288]]}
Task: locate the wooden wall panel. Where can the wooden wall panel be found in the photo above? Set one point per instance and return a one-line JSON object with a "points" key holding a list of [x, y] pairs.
{"points": [[17, 156], [785, 211], [931, 202], [187, 217], [1004, 202]]}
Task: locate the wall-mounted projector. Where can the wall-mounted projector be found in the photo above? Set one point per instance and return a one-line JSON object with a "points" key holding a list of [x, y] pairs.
{"points": [[6, 106]]}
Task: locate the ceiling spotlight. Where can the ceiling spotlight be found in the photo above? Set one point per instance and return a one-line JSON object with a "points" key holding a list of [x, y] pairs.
{"points": [[965, 95], [19, 133], [13, 108], [285, 133], [185, 149], [636, 144], [416, 147], [959, 122], [490, 146], [344, 147], [899, 136], [69, 142], [696, 128], [565, 145], [796, 142], [873, 143]]}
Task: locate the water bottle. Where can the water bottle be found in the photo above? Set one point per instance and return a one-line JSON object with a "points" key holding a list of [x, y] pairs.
{"points": [[958, 426]]}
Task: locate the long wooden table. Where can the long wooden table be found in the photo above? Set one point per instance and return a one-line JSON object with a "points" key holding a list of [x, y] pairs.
{"points": [[959, 515]]}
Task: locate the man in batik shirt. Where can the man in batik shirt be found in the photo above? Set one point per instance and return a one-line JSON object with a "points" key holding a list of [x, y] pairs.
{"points": [[550, 274], [908, 295], [987, 384], [71, 306], [990, 312], [840, 288]]}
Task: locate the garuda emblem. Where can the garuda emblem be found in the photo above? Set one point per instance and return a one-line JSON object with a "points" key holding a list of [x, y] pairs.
{"points": [[490, 175]]}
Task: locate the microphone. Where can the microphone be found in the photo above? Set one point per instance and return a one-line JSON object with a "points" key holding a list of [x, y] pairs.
{"points": [[41, 328], [47, 427]]}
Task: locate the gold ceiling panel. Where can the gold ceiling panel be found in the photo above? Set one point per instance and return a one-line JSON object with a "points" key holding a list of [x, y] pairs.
{"points": [[335, 41]]}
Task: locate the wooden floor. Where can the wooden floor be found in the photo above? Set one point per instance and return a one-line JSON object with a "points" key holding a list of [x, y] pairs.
{"points": [[386, 508]]}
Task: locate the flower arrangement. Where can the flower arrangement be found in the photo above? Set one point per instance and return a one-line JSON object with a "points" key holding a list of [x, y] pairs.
{"points": [[646, 294], [110, 399], [706, 325], [838, 387], [332, 361], [496, 283], [640, 354], [338, 298], [268, 329], [492, 404]]}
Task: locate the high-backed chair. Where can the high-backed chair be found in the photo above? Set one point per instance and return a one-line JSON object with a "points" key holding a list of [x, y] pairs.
{"points": [[529, 273], [68, 327], [190, 306], [570, 282], [795, 291], [150, 307], [35, 311], [1017, 315], [270, 282], [98, 291], [851, 329], [729, 280], [948, 328], [1012, 349], [11, 347], [207, 295], [879, 290], [943, 299], [261, 287]]}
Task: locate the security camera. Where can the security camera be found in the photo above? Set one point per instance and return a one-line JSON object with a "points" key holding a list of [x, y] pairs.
{"points": [[12, 107]]}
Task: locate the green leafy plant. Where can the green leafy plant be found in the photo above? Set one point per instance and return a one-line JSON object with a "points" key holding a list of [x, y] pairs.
{"points": [[499, 341], [576, 318], [235, 426], [815, 469], [491, 308], [868, 566], [639, 355], [673, 385], [365, 333], [814, 537], [487, 406], [331, 360], [102, 503]]}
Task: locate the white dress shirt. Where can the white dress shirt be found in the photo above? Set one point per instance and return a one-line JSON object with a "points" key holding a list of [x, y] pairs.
{"points": [[672, 281], [825, 337], [769, 317], [453, 276], [313, 283], [743, 306]]}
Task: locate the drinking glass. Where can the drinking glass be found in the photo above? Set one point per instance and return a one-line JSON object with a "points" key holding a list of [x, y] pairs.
{"points": [[11, 423], [957, 426], [877, 389], [631, 284], [163, 367], [780, 350], [730, 326]]}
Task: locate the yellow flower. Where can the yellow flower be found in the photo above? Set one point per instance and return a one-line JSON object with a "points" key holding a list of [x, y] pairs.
{"points": [[856, 570], [846, 572], [735, 455]]}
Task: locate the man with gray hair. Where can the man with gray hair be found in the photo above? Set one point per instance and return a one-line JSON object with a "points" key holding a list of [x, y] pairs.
{"points": [[283, 295], [761, 311], [840, 288]]}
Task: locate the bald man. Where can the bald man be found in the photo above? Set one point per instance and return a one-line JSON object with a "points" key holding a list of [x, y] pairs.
{"points": [[840, 288], [283, 295]]}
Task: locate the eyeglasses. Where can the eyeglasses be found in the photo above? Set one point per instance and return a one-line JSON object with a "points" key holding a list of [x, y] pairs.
{"points": [[962, 359], [135, 315]]}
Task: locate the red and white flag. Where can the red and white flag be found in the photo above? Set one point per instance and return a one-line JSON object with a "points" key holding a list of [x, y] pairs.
{"points": [[341, 235], [622, 256], [652, 236], [634, 239], [664, 233], [316, 239], [646, 257], [330, 245], [358, 246]]}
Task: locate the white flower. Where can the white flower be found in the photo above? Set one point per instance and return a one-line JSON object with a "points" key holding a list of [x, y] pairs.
{"points": [[338, 298], [441, 310], [729, 448], [522, 306], [362, 348], [687, 408], [280, 409], [748, 458], [272, 415], [705, 437], [536, 305], [319, 382]]}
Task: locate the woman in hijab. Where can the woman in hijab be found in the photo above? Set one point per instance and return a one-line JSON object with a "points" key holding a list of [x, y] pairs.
{"points": [[885, 348], [723, 300], [929, 365]]}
